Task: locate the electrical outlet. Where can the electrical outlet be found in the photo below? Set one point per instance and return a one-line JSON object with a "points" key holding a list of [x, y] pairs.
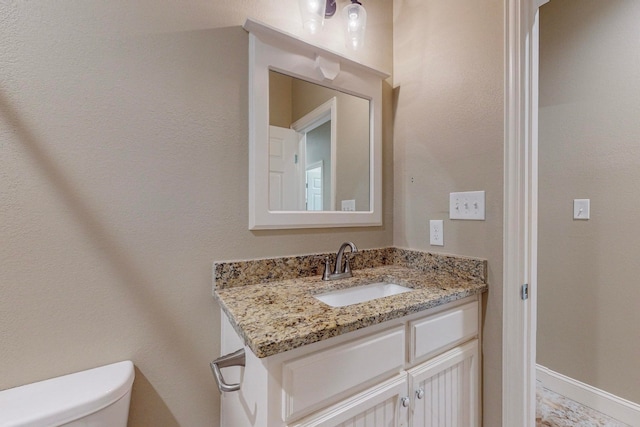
{"points": [[436, 232], [467, 205]]}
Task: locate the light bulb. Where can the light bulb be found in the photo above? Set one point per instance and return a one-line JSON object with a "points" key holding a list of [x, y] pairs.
{"points": [[355, 17], [313, 6], [312, 13]]}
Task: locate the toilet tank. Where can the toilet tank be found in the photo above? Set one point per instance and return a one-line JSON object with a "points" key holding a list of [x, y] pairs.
{"points": [[96, 397]]}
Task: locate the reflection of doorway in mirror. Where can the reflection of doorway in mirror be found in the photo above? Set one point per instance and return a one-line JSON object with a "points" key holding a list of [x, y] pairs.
{"points": [[317, 149], [314, 186], [318, 135], [310, 141], [283, 169]]}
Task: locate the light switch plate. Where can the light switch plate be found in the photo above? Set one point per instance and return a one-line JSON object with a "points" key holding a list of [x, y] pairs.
{"points": [[581, 208], [467, 205], [349, 205]]}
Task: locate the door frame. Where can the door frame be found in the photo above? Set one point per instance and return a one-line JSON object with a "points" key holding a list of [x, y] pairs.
{"points": [[328, 111], [520, 212]]}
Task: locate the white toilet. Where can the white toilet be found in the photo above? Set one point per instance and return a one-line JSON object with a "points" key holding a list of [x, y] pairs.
{"points": [[95, 398]]}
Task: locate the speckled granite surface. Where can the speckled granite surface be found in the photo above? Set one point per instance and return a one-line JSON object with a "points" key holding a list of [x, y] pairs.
{"points": [[228, 274], [554, 410], [273, 309]]}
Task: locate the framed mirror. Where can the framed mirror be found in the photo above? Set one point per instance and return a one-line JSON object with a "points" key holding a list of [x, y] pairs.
{"points": [[315, 135]]}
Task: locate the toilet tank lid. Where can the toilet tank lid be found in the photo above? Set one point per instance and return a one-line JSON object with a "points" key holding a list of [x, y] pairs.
{"points": [[66, 398]]}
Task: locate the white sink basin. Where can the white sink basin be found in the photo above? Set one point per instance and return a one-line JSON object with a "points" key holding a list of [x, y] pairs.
{"points": [[358, 294]]}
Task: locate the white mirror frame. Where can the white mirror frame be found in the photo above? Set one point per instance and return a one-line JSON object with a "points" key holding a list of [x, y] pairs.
{"points": [[272, 49]]}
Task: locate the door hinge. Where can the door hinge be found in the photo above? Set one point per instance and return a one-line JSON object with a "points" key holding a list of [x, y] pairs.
{"points": [[524, 292]]}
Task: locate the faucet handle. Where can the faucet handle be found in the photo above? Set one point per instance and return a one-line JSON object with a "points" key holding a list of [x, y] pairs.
{"points": [[347, 267], [327, 269]]}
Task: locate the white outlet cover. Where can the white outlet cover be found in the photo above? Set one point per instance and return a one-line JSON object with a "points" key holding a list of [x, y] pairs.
{"points": [[468, 205], [436, 232]]}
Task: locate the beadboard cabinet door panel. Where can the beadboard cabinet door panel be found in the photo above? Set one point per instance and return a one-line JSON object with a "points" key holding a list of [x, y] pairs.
{"points": [[445, 389]]}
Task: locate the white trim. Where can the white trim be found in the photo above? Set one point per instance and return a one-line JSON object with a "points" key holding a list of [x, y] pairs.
{"points": [[520, 212], [275, 36], [520, 207], [592, 397], [538, 3], [318, 116]]}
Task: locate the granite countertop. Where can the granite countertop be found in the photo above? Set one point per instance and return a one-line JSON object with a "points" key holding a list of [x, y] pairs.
{"points": [[277, 316]]}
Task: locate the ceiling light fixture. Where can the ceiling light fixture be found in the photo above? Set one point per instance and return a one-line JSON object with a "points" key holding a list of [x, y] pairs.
{"points": [[354, 15]]}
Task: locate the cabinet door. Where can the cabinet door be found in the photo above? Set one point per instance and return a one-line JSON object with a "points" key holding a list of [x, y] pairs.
{"points": [[379, 406], [444, 390]]}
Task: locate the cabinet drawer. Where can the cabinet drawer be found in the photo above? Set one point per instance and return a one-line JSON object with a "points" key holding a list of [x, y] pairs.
{"points": [[323, 378], [443, 330], [378, 406]]}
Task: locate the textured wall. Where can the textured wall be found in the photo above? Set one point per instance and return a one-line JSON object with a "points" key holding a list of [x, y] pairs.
{"points": [[123, 172], [448, 93], [589, 131]]}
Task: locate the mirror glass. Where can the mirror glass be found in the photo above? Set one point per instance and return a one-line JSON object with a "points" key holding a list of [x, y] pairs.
{"points": [[319, 147]]}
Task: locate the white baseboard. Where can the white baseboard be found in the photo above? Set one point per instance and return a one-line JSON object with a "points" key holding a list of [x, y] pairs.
{"points": [[602, 401]]}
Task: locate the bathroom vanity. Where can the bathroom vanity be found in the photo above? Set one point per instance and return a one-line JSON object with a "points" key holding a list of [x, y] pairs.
{"points": [[404, 351], [410, 359]]}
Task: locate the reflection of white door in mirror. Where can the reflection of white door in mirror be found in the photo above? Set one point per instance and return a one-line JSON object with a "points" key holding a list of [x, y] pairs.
{"points": [[314, 186], [283, 169]]}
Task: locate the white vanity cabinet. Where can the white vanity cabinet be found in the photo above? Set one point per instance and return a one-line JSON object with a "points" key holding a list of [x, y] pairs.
{"points": [[445, 389], [420, 370]]}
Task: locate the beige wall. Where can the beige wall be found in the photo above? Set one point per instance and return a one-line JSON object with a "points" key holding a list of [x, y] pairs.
{"points": [[123, 133], [280, 106], [448, 92], [588, 294]]}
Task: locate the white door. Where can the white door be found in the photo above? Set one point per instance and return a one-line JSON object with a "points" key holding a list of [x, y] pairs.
{"points": [[445, 391], [314, 187], [283, 169]]}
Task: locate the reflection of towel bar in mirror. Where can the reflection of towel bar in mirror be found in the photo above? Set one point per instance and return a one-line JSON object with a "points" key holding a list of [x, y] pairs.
{"points": [[282, 65]]}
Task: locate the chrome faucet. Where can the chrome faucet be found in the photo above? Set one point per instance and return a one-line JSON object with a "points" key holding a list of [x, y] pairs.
{"points": [[339, 272]]}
